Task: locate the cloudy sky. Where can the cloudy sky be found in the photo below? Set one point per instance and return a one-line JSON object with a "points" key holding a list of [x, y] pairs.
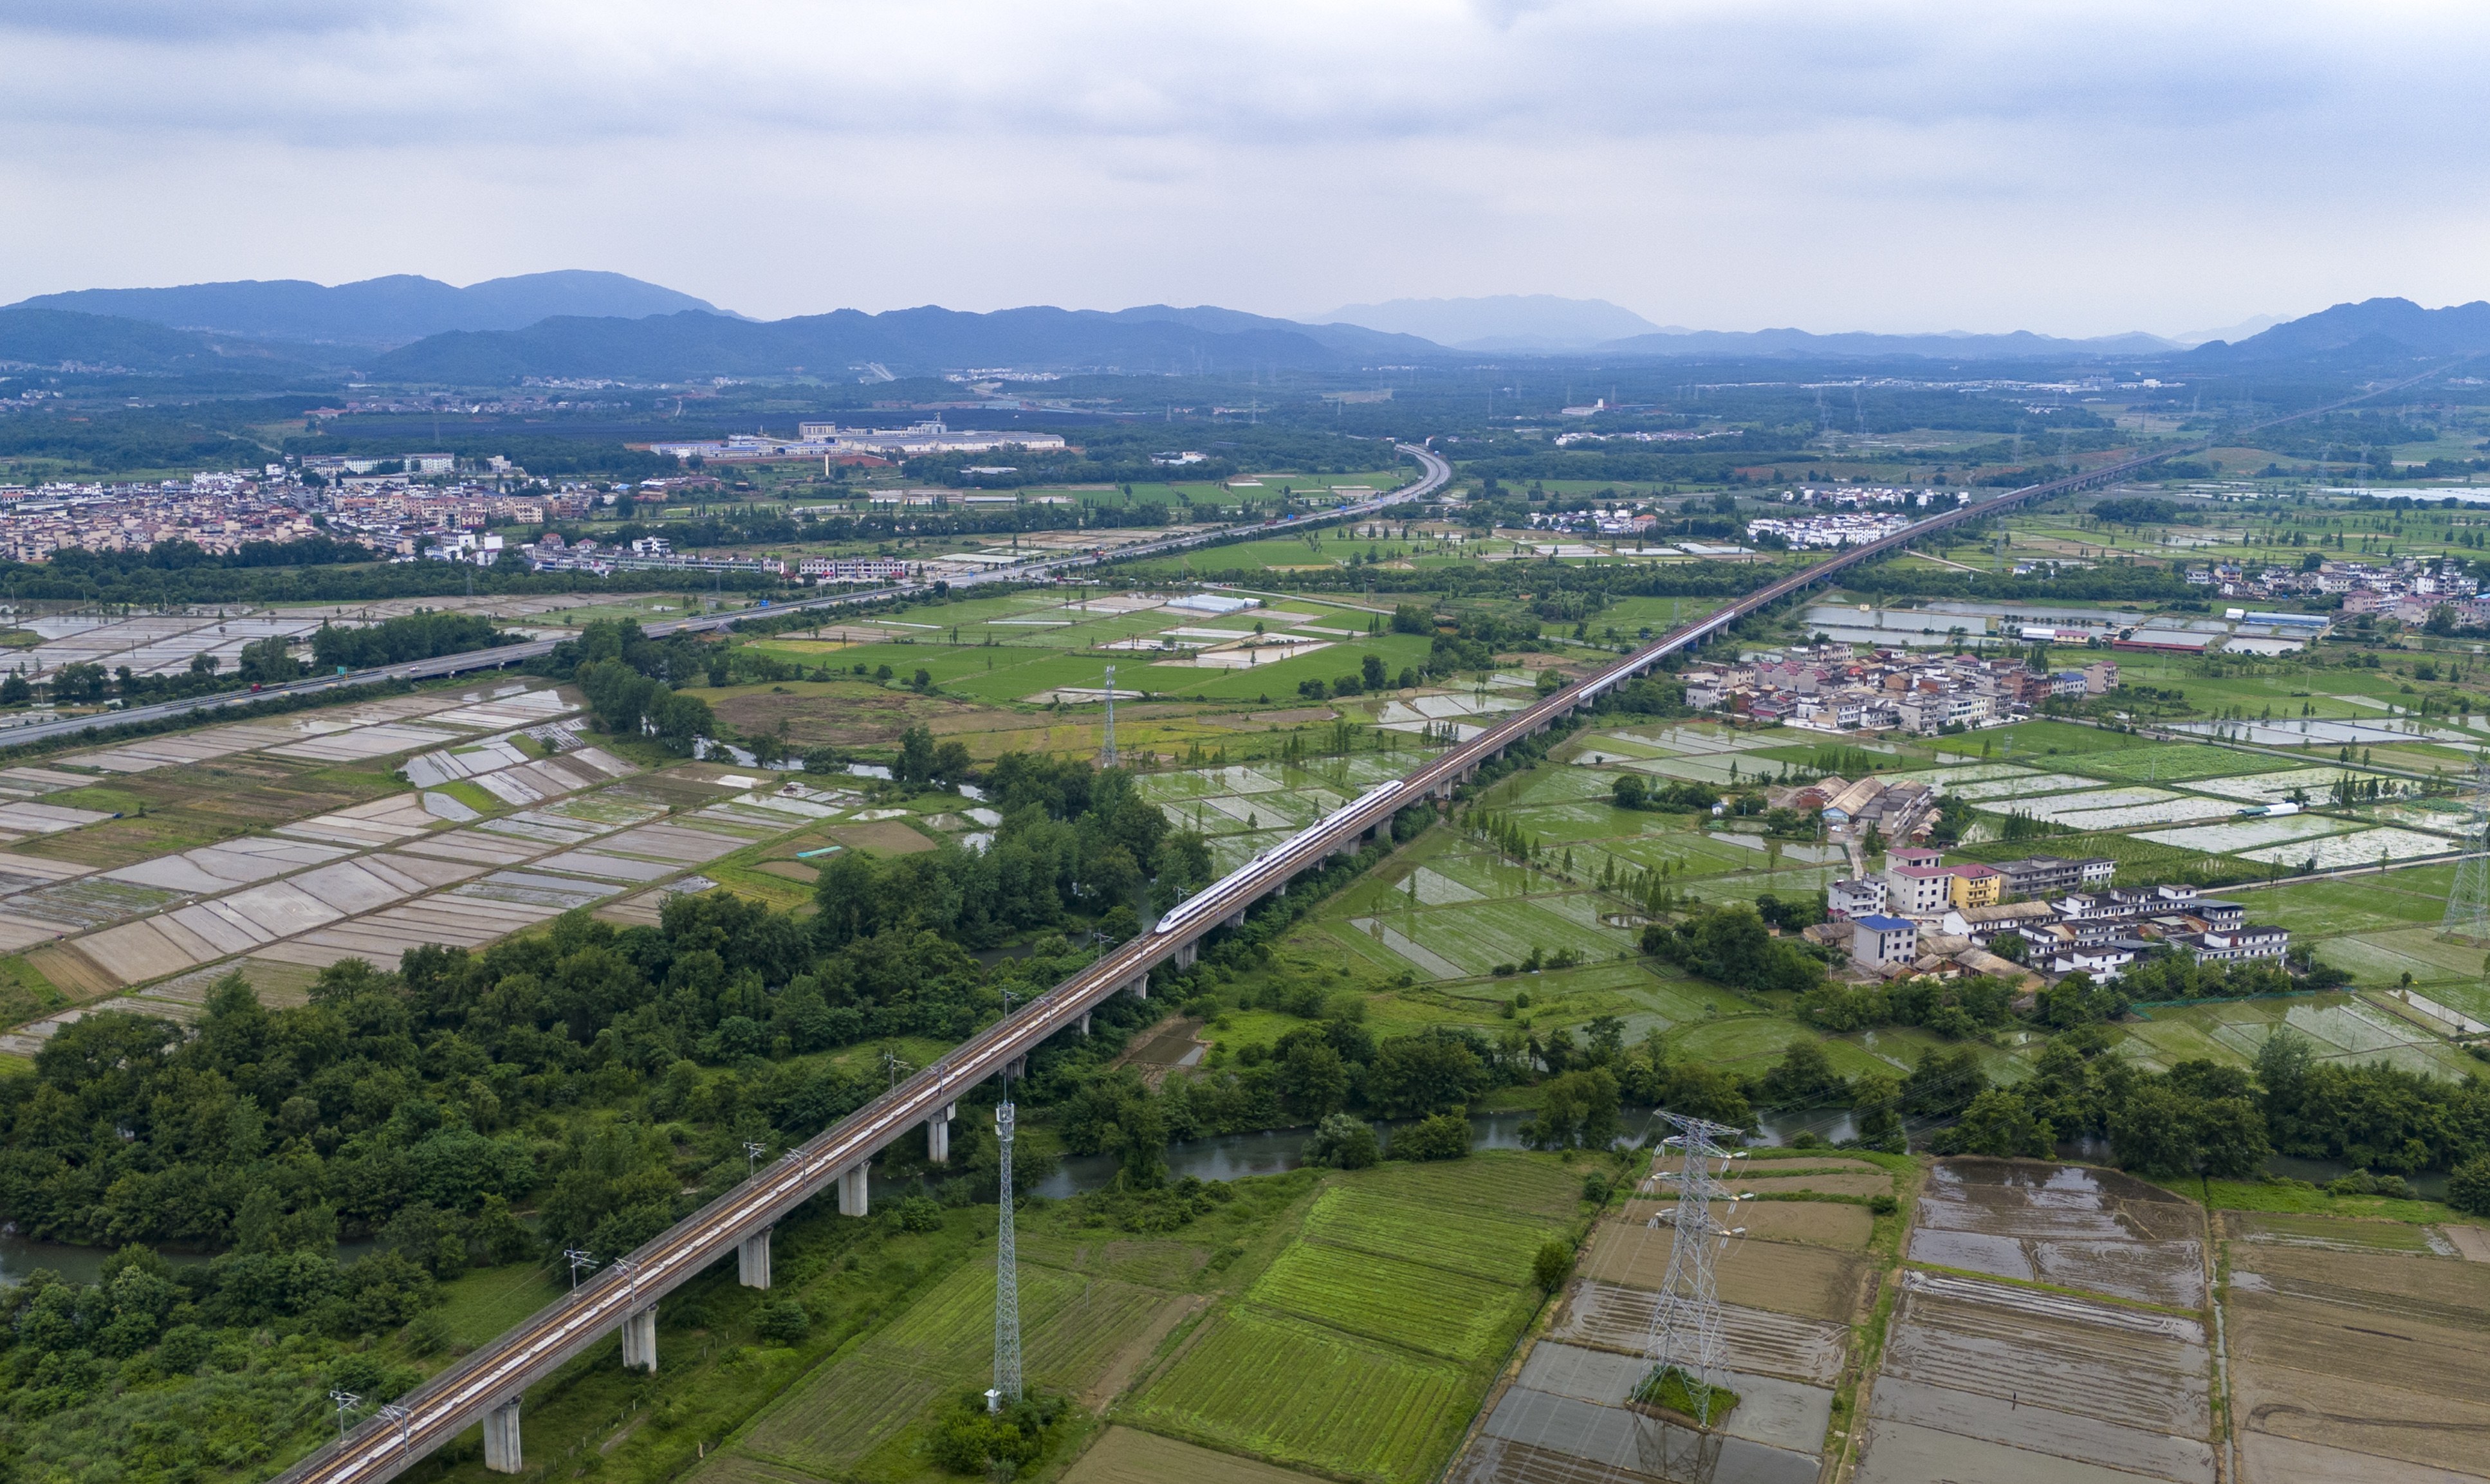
{"points": [[2074, 168]]}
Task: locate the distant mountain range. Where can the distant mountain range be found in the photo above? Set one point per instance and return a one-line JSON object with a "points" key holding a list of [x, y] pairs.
{"points": [[407, 328], [1155, 338], [377, 312], [2021, 345], [1530, 323], [2372, 329]]}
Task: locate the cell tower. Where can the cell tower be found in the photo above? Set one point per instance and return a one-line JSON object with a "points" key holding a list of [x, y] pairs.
{"points": [[1007, 1385], [1109, 757], [2467, 905], [1686, 1325]]}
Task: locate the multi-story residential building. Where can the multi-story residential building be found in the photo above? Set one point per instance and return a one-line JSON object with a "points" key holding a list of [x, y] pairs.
{"points": [[1975, 885], [1918, 890], [1863, 898], [1877, 941], [2043, 876]]}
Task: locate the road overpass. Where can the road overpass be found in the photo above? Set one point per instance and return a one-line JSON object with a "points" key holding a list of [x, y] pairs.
{"points": [[485, 1387], [1434, 473]]}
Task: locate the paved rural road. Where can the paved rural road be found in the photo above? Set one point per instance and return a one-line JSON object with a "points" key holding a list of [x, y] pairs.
{"points": [[1435, 473], [496, 1373]]}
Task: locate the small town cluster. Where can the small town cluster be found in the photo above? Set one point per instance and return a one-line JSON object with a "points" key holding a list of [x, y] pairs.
{"points": [[1828, 688], [2062, 916], [219, 512], [1829, 531], [2409, 588]]}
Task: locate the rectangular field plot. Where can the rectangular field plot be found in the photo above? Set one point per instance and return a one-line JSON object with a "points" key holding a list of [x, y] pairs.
{"points": [[2013, 787], [1074, 1327], [2247, 834], [1984, 1381], [2316, 784], [2339, 1027], [1125, 1455], [2364, 848], [2411, 1327], [2096, 810], [2175, 763], [1302, 1393], [1428, 1309], [1505, 1179], [1478, 936]]}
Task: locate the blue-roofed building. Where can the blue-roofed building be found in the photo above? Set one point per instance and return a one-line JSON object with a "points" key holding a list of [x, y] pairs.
{"points": [[1877, 941]]}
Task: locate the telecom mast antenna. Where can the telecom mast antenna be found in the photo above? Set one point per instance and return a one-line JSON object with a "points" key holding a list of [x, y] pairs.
{"points": [[1686, 1325], [1007, 1385], [2467, 905], [1110, 716]]}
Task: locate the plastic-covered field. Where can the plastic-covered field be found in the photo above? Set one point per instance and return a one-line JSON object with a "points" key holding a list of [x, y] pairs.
{"points": [[2364, 847], [2316, 784], [2097, 812], [2051, 806], [2009, 787], [2246, 833]]}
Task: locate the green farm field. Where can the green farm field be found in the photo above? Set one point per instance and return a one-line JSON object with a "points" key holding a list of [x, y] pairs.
{"points": [[1354, 1354]]}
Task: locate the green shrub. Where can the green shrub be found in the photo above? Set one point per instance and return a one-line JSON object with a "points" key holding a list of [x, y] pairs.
{"points": [[784, 1321], [2468, 1188], [1549, 1265], [1344, 1142], [1444, 1136], [1673, 1389], [916, 1213], [968, 1438]]}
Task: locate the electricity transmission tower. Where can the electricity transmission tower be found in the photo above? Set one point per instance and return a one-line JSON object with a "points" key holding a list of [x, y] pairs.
{"points": [[1109, 759], [1686, 1325], [1007, 1385], [2467, 905]]}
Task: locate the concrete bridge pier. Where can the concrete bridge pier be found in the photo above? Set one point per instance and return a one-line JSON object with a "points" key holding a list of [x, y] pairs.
{"points": [[501, 1438], [1183, 960], [640, 1340], [1085, 1022], [1234, 919], [1138, 987], [752, 1260], [852, 1190], [938, 1134]]}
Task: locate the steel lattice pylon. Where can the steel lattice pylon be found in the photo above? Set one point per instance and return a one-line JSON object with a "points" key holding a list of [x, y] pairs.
{"points": [[2467, 905], [1107, 758], [1008, 1384], [1686, 1325]]}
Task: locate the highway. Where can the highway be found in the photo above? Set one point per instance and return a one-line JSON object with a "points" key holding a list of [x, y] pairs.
{"points": [[496, 1374], [1434, 473]]}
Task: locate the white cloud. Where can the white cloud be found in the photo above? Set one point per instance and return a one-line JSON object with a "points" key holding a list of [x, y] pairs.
{"points": [[2078, 168]]}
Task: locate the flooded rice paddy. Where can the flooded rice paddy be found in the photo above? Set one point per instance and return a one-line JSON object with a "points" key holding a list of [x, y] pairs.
{"points": [[2101, 1377]]}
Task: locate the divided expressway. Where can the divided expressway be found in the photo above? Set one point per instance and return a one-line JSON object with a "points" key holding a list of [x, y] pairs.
{"points": [[1434, 474], [486, 1385]]}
